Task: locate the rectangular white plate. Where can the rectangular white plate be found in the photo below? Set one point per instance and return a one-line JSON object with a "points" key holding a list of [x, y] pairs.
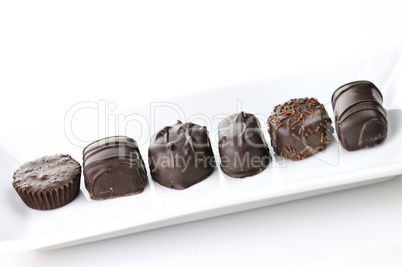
{"points": [[85, 220]]}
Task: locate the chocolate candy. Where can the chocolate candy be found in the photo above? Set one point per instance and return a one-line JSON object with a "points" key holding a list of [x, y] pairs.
{"points": [[181, 155], [113, 167], [299, 128], [360, 118], [242, 146], [48, 182]]}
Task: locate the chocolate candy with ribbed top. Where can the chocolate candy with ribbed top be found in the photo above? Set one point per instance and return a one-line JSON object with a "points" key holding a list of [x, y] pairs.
{"points": [[360, 118], [242, 146], [113, 167], [181, 155], [299, 128]]}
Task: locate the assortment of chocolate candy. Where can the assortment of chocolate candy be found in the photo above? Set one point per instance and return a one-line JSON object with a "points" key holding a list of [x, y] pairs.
{"points": [[181, 155]]}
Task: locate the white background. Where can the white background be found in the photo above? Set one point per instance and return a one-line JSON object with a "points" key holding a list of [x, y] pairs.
{"points": [[54, 54]]}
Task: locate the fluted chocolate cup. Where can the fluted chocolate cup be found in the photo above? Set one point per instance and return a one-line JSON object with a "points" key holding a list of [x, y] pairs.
{"points": [[48, 182]]}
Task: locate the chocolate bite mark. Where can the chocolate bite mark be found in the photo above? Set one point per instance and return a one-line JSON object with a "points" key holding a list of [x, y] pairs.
{"points": [[308, 128]]}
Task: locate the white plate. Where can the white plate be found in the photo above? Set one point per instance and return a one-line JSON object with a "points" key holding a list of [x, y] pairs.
{"points": [[85, 220]]}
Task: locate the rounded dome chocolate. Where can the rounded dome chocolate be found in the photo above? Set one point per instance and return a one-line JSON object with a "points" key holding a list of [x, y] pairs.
{"points": [[242, 146], [181, 155]]}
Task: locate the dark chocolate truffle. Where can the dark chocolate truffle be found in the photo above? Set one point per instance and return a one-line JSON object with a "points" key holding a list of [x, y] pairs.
{"points": [[113, 167], [48, 182], [181, 155], [242, 146], [360, 118], [299, 128]]}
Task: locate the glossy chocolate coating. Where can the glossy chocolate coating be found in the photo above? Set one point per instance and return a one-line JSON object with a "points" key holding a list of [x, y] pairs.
{"points": [[299, 128], [181, 155], [360, 118], [48, 182], [242, 146], [113, 167]]}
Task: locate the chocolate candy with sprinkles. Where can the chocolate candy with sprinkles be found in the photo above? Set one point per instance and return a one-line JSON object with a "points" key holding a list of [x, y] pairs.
{"points": [[299, 128]]}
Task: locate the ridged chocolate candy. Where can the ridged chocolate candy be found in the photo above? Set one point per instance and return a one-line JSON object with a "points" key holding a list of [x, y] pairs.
{"points": [[299, 128], [181, 155], [360, 118], [113, 167], [242, 146]]}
